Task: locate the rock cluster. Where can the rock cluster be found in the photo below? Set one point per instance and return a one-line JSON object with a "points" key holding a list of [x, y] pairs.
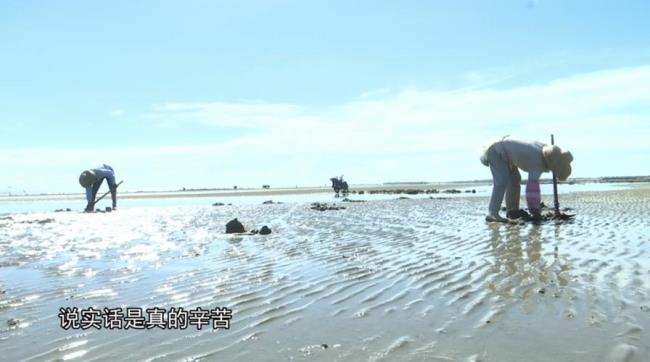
{"points": [[270, 202], [321, 206], [234, 226], [43, 221], [416, 191], [265, 230]]}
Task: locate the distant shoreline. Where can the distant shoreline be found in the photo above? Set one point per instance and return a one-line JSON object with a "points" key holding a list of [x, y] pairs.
{"points": [[237, 192], [221, 192]]}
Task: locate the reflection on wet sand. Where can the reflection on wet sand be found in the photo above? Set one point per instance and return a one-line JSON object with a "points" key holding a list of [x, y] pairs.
{"points": [[381, 280]]}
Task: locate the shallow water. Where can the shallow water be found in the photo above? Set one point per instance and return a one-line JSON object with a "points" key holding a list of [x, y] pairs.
{"points": [[39, 204], [414, 279]]}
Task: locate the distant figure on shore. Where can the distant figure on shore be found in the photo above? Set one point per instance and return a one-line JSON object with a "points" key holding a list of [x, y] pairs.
{"points": [[505, 158], [92, 179], [339, 185]]}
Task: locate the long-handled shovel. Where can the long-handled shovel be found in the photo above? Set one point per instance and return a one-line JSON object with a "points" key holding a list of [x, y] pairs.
{"points": [[119, 183], [557, 215], [556, 202]]}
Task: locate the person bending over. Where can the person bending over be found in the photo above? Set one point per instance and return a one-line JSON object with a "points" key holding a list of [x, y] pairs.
{"points": [[505, 158], [92, 179]]}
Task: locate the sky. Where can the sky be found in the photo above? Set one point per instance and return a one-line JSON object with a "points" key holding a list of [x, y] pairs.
{"points": [[206, 94]]}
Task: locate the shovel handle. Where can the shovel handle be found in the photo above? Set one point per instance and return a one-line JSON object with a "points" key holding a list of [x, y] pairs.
{"points": [[107, 192], [556, 201]]}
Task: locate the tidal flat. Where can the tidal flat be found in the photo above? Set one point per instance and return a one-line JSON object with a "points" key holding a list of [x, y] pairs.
{"points": [[398, 280]]}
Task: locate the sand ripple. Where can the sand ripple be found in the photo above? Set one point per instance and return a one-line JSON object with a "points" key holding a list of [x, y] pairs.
{"points": [[382, 280]]}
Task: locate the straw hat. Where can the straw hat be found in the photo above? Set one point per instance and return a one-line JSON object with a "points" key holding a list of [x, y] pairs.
{"points": [[558, 161], [87, 178]]}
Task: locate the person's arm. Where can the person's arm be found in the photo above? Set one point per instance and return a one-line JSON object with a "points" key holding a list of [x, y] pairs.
{"points": [[533, 194]]}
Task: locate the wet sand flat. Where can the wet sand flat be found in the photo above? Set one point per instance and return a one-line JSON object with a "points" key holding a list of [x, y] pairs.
{"points": [[405, 280]]}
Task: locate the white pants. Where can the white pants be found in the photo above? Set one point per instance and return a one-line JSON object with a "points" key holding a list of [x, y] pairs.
{"points": [[506, 181]]}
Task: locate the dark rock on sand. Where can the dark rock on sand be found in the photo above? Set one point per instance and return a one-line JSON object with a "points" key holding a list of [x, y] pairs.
{"points": [[324, 207], [265, 230], [270, 202], [350, 200], [43, 221], [361, 192], [548, 216], [517, 214], [452, 191], [561, 216], [218, 204], [234, 226]]}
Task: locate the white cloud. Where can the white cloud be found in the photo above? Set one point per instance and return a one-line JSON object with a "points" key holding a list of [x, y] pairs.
{"points": [[602, 117], [246, 115], [380, 92], [117, 113]]}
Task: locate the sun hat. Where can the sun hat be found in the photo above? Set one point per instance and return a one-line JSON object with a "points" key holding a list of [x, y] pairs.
{"points": [[558, 161], [87, 178]]}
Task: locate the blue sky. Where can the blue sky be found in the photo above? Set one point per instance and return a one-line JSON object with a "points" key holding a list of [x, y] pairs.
{"points": [[221, 93]]}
